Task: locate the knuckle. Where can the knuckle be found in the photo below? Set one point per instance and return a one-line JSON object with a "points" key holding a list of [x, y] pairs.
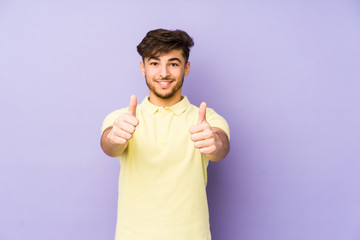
{"points": [[192, 137], [121, 140], [124, 135], [193, 128], [128, 136], [116, 123], [131, 129], [209, 134], [121, 125]]}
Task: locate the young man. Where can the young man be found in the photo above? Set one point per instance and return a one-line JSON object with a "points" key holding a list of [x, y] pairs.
{"points": [[164, 145]]}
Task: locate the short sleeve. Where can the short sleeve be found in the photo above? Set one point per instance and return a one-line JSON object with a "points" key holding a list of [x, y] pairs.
{"points": [[215, 120], [111, 117]]}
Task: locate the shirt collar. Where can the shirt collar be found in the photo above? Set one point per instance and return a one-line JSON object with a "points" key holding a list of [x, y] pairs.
{"points": [[178, 108]]}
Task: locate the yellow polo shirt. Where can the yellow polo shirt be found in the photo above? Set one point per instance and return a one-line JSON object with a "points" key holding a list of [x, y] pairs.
{"points": [[163, 177]]}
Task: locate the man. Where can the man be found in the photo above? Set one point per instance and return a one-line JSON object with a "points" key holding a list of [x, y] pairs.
{"points": [[164, 145]]}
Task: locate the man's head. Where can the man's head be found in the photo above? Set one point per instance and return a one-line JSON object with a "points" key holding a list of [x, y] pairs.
{"points": [[165, 63], [161, 41]]}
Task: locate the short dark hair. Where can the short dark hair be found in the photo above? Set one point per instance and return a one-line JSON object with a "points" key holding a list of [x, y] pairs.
{"points": [[161, 41]]}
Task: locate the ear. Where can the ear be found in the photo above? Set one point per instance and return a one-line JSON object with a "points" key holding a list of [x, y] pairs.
{"points": [[142, 68], [187, 69]]}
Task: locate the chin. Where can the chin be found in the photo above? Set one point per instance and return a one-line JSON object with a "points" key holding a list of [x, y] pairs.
{"points": [[164, 96]]}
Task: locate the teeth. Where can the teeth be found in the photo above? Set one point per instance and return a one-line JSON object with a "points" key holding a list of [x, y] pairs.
{"points": [[164, 83]]}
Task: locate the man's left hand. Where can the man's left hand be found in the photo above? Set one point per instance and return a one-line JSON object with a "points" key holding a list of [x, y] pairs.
{"points": [[202, 134]]}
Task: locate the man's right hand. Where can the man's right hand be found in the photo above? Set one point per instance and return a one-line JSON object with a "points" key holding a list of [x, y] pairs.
{"points": [[124, 126], [115, 139]]}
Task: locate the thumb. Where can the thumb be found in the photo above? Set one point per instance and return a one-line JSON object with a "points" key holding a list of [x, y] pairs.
{"points": [[202, 112], [132, 105]]}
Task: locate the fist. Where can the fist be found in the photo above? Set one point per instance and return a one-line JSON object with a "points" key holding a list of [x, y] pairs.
{"points": [[124, 126], [202, 134]]}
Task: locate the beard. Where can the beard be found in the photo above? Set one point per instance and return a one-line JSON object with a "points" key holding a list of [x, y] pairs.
{"points": [[168, 94]]}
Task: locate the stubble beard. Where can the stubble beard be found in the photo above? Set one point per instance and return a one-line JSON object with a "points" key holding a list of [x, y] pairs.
{"points": [[168, 95]]}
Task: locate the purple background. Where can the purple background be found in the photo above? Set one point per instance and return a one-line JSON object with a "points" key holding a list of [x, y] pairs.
{"points": [[285, 74]]}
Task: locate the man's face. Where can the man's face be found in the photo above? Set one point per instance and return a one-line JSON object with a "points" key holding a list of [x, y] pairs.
{"points": [[165, 74]]}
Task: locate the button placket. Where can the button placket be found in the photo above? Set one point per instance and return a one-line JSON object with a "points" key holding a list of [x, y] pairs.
{"points": [[164, 122]]}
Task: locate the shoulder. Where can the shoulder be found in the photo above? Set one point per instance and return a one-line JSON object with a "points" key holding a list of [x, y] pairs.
{"points": [[118, 112], [215, 120], [210, 112]]}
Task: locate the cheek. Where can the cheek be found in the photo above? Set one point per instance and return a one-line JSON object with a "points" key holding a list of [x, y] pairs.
{"points": [[178, 73], [150, 73]]}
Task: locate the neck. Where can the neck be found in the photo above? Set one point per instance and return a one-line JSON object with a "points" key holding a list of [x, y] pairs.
{"points": [[167, 102]]}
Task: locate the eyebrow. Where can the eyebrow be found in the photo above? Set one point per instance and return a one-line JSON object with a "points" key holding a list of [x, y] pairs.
{"points": [[174, 59], [158, 59], [153, 58]]}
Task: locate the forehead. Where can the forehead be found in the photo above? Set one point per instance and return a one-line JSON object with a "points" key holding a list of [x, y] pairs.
{"points": [[176, 53]]}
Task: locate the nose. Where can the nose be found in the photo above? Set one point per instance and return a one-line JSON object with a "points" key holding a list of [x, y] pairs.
{"points": [[164, 71]]}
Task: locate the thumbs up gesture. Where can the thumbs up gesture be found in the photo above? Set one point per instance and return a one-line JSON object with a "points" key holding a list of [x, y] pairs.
{"points": [[202, 134], [124, 126]]}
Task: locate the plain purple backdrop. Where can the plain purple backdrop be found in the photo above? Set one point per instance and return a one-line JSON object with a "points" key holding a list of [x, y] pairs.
{"points": [[285, 74]]}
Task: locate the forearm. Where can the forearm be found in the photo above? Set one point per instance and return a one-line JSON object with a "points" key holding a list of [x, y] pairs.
{"points": [[222, 145], [111, 149]]}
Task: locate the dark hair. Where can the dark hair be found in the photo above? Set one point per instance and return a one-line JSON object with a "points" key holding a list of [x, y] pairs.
{"points": [[162, 41]]}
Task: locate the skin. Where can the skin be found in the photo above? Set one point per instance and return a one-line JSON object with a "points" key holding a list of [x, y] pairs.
{"points": [[164, 76], [170, 68]]}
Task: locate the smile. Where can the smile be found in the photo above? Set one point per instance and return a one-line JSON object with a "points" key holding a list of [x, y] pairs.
{"points": [[164, 84]]}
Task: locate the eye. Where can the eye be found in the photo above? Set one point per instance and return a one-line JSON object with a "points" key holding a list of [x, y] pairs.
{"points": [[174, 64], [153, 63]]}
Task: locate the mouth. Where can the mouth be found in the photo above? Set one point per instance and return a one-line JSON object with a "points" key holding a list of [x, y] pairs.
{"points": [[163, 83]]}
